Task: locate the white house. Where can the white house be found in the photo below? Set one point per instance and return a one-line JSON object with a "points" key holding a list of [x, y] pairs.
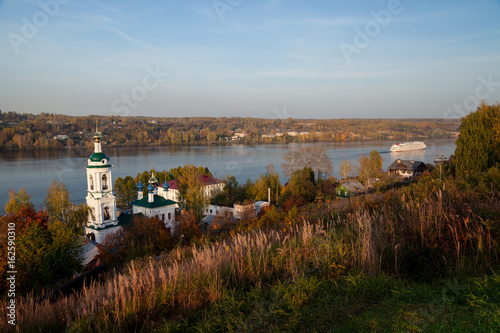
{"points": [[406, 170]]}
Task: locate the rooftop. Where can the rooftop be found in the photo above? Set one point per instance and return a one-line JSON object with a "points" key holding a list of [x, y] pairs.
{"points": [[159, 201], [405, 165], [206, 180]]}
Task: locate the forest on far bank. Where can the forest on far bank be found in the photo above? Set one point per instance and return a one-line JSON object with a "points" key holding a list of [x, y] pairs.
{"points": [[23, 131]]}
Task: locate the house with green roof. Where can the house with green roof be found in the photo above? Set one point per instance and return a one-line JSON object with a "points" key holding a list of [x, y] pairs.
{"points": [[154, 205], [349, 188]]}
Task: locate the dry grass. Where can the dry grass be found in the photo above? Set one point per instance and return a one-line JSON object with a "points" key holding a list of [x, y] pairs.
{"points": [[427, 228], [180, 282]]}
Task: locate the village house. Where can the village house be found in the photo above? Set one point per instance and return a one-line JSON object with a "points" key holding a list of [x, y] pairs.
{"points": [[348, 188], [406, 170]]}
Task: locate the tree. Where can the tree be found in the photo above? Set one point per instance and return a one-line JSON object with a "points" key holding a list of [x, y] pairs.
{"points": [[57, 201], [191, 190], [301, 185], [370, 167], [113, 250], [45, 253], [146, 236], [260, 189], [232, 192], [65, 254], [125, 191], [345, 169], [18, 200], [478, 146], [75, 218], [308, 157], [188, 227]]}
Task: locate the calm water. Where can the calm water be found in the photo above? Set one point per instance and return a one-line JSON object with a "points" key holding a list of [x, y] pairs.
{"points": [[35, 170]]}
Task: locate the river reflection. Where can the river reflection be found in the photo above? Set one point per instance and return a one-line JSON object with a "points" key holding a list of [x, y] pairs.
{"points": [[34, 170]]}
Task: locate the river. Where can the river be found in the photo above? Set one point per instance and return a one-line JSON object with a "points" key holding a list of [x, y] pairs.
{"points": [[34, 170]]}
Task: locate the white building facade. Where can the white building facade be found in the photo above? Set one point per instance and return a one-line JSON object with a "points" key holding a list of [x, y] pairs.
{"points": [[154, 205], [101, 200]]}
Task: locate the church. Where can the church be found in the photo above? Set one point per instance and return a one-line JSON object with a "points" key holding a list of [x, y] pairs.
{"points": [[102, 219]]}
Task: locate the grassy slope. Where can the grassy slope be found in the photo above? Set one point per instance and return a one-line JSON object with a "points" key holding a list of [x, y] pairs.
{"points": [[353, 304], [303, 273]]}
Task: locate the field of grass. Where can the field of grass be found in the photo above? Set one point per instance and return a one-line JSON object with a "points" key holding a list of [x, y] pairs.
{"points": [[421, 258]]}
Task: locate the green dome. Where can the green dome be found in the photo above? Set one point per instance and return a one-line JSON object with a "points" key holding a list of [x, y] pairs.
{"points": [[98, 157]]}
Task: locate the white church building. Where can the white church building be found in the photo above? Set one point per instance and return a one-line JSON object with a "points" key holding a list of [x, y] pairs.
{"points": [[102, 219], [154, 205], [100, 198]]}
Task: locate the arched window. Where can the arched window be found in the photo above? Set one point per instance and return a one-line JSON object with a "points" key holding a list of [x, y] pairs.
{"points": [[91, 183], [104, 182], [91, 236], [107, 215]]}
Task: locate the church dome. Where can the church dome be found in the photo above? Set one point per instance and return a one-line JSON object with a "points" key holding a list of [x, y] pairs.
{"points": [[99, 157], [140, 186], [151, 188]]}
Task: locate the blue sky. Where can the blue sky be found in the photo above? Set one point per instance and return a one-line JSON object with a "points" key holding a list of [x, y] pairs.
{"points": [[270, 58]]}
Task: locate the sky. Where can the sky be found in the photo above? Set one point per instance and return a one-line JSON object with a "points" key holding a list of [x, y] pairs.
{"points": [[261, 58]]}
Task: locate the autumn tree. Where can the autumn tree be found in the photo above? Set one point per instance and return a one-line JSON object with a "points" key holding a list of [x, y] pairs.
{"points": [[17, 200], [188, 227], [345, 169], [191, 192], [370, 167], [314, 157], [46, 254], [478, 146], [57, 200], [113, 250], [146, 236], [270, 180]]}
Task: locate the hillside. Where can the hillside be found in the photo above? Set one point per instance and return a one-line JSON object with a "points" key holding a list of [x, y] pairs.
{"points": [[424, 257]]}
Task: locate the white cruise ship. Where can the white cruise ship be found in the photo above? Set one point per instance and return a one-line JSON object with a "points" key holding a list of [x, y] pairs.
{"points": [[407, 146]]}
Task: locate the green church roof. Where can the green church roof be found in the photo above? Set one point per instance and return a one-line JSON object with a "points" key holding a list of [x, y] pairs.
{"points": [[98, 157], [159, 201]]}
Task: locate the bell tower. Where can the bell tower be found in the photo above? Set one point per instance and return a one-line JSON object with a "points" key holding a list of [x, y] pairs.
{"points": [[100, 197]]}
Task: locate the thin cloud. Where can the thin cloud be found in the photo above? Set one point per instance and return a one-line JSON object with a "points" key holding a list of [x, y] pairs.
{"points": [[130, 39]]}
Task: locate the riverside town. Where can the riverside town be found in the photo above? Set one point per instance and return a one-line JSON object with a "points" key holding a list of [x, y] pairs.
{"points": [[250, 166]]}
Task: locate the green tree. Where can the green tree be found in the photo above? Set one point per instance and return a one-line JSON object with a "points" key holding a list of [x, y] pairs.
{"points": [[125, 191], [46, 253], [478, 146], [301, 185], [17, 200], [65, 254]]}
